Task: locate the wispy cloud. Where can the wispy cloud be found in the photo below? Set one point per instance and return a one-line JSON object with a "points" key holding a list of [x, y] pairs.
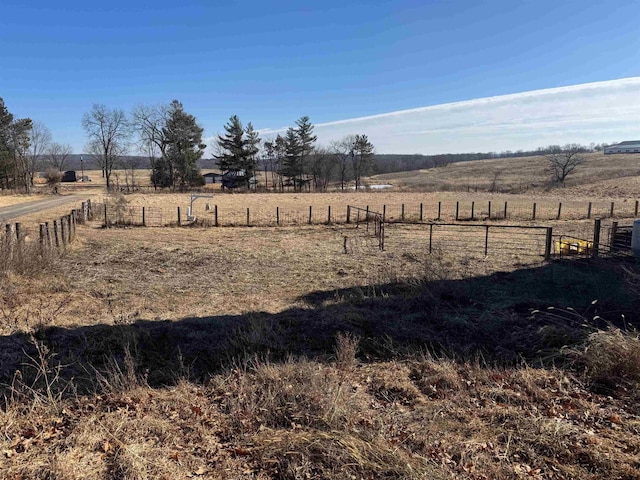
{"points": [[591, 112]]}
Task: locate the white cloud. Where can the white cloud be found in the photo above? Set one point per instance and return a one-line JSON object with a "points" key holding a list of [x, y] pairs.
{"points": [[591, 112]]}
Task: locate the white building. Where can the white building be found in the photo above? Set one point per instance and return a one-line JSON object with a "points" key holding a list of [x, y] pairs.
{"points": [[632, 146]]}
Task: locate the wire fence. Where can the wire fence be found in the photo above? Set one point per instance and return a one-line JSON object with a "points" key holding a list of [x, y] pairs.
{"points": [[115, 213]]}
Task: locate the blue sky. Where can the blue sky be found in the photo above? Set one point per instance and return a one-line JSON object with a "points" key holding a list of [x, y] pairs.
{"points": [[272, 62]]}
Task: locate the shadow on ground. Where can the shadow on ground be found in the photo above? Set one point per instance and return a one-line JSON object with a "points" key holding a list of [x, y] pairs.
{"points": [[493, 317]]}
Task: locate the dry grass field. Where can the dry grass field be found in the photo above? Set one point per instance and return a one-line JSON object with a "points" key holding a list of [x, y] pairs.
{"points": [[8, 200], [270, 352], [526, 174]]}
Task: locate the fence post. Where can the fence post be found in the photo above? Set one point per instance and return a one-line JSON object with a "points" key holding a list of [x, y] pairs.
{"points": [[439, 209], [596, 237], [310, 213], [277, 215], [47, 233], [144, 216], [84, 212], [421, 211], [589, 211], [18, 228], [348, 214], [430, 237], [533, 216], [635, 214], [42, 237], [402, 214], [89, 210], [559, 210], [329, 215], [547, 244], [505, 210], [612, 207], [63, 234], [612, 240], [457, 210], [55, 233], [384, 213], [489, 209], [179, 219], [248, 224], [473, 210], [106, 221], [366, 215], [486, 240], [215, 216]]}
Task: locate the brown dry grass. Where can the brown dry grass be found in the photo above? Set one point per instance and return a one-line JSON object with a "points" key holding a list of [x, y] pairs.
{"points": [[16, 199], [527, 173]]}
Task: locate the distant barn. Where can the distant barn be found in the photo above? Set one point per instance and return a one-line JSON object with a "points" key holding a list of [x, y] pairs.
{"points": [[69, 176], [632, 146], [210, 178]]}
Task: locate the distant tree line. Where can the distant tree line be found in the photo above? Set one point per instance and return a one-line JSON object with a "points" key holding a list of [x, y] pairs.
{"points": [[26, 147]]}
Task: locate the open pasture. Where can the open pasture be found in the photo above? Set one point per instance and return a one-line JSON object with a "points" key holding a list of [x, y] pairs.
{"points": [[526, 174]]}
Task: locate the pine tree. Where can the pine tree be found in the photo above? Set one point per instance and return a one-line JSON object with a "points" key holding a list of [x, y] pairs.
{"points": [[231, 145], [306, 140], [362, 157], [184, 146], [251, 151], [291, 163]]}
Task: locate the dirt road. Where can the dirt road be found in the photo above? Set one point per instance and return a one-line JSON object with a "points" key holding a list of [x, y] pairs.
{"points": [[36, 206]]}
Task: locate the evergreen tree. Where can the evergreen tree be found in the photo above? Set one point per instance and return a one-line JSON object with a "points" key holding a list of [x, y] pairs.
{"points": [[362, 157], [291, 163], [184, 146], [232, 153], [306, 140], [251, 151]]}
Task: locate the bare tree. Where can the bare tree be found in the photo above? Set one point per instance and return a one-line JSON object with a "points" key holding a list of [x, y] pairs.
{"points": [[496, 175], [129, 164], [148, 122], [341, 149], [564, 160], [108, 132], [58, 154], [39, 140]]}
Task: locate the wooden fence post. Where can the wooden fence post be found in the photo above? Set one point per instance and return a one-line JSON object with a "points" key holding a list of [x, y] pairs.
{"points": [[55, 233], [179, 219], [612, 240], [596, 237], [559, 210], [215, 216], [63, 235], [329, 215], [505, 210], [311, 212], [42, 238], [489, 209], [421, 211], [612, 207], [589, 211], [402, 214], [533, 216], [439, 209], [430, 237], [486, 240], [548, 243], [277, 215], [473, 209], [384, 213], [47, 232], [635, 214], [144, 216], [18, 231], [348, 213], [457, 210]]}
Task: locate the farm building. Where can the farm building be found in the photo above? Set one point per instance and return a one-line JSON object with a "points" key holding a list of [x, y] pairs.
{"points": [[632, 146], [237, 178], [212, 177], [69, 176]]}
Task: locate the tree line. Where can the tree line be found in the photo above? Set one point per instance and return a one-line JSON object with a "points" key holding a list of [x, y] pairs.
{"points": [[27, 147]]}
